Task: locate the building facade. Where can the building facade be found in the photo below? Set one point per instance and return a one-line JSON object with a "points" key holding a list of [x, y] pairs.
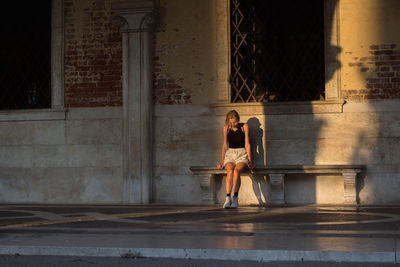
{"points": [[140, 89]]}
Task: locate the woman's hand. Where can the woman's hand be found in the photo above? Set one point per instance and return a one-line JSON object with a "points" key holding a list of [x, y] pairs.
{"points": [[251, 166], [220, 166]]}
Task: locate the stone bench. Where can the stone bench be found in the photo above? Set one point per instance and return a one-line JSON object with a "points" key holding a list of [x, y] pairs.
{"points": [[276, 174]]}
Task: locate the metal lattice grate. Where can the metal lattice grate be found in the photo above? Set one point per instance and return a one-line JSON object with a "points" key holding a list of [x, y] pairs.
{"points": [[277, 50], [25, 55]]}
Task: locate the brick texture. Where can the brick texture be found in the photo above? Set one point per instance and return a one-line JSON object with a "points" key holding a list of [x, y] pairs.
{"points": [[93, 55], [167, 91], [382, 71]]}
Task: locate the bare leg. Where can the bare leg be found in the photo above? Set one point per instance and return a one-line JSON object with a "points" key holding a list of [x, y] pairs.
{"points": [[236, 175], [230, 167], [236, 183]]}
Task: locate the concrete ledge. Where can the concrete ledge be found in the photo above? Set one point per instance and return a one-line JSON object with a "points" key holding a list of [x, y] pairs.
{"points": [[33, 115], [214, 254], [94, 113], [281, 108]]}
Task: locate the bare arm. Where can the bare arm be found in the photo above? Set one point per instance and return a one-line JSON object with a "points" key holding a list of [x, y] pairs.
{"points": [[247, 144], [224, 147]]}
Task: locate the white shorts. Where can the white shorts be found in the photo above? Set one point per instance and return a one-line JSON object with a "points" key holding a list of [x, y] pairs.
{"points": [[236, 155]]}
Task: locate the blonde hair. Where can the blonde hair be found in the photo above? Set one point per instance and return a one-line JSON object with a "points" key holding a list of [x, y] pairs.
{"points": [[232, 114]]}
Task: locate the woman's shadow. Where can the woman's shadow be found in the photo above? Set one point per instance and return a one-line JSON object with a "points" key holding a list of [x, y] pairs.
{"points": [[259, 182]]}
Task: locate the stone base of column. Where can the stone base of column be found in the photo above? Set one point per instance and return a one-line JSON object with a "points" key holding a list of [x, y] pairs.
{"points": [[207, 183], [277, 188], [350, 187]]}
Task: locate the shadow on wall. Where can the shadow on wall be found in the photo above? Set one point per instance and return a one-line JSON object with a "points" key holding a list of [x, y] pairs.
{"points": [[332, 51], [257, 151], [181, 138], [376, 141], [377, 137], [294, 138]]}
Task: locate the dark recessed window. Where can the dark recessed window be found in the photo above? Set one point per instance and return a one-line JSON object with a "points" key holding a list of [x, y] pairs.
{"points": [[277, 50], [25, 54]]}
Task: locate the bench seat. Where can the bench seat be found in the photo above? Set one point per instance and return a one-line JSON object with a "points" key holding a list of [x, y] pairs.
{"points": [[276, 174]]}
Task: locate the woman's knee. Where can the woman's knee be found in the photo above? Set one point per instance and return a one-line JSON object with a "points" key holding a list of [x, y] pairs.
{"points": [[237, 171], [230, 171]]}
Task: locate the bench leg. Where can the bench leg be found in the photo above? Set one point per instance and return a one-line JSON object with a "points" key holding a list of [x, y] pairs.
{"points": [[350, 191], [207, 183], [277, 188]]}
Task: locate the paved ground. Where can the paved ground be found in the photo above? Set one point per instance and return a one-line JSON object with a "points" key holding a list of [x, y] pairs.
{"points": [[188, 235]]}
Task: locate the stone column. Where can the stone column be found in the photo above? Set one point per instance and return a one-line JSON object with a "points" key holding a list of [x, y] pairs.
{"points": [[221, 54], [135, 18], [277, 188], [350, 189], [57, 54]]}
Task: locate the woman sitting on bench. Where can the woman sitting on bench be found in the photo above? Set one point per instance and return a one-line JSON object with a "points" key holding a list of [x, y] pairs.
{"points": [[236, 154]]}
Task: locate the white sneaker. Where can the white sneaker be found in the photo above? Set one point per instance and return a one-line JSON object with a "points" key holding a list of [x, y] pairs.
{"points": [[227, 203], [234, 203]]}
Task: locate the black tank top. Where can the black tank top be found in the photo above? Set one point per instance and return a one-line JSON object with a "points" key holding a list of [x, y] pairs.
{"points": [[236, 138]]}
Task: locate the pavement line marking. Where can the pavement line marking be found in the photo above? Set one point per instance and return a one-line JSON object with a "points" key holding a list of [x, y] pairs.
{"points": [[386, 218], [37, 213], [105, 217], [258, 232]]}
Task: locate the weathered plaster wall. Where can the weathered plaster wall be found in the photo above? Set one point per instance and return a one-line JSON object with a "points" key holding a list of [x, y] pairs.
{"points": [[365, 132], [190, 135], [185, 135], [77, 160], [184, 70], [49, 156], [370, 49], [371, 70]]}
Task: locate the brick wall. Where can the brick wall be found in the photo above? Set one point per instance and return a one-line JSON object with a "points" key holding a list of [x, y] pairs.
{"points": [[93, 55], [167, 91], [381, 69]]}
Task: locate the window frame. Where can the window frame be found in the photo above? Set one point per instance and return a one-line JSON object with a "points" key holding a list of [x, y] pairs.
{"points": [[332, 102], [57, 110]]}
